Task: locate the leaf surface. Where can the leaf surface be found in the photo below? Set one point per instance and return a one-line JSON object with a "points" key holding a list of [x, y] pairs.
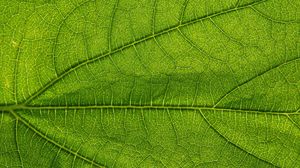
{"points": [[174, 83]]}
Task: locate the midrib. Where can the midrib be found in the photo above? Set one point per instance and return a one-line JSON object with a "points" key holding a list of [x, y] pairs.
{"points": [[143, 107]]}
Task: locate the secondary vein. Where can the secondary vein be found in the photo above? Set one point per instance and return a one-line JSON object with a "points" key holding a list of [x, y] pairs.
{"points": [[118, 49]]}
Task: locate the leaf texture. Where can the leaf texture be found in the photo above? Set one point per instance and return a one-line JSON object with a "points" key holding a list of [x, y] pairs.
{"points": [[149, 83]]}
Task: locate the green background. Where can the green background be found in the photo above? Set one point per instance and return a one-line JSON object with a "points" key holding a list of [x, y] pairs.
{"points": [[141, 83]]}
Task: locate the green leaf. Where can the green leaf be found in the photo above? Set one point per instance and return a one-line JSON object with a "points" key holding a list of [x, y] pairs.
{"points": [[149, 83]]}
